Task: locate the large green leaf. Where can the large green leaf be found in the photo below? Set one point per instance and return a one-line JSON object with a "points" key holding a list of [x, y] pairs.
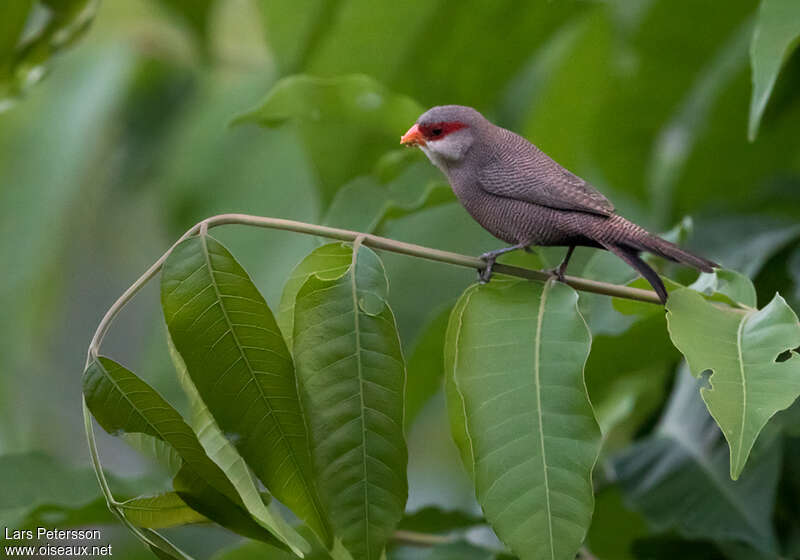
{"points": [[678, 477], [747, 384], [224, 453], [122, 403], [160, 511], [519, 408], [239, 363], [776, 34], [351, 374]]}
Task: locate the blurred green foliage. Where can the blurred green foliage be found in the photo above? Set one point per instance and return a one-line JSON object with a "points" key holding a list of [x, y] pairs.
{"points": [[127, 143]]}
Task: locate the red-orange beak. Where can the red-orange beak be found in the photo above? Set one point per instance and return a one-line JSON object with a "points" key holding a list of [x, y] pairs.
{"points": [[413, 137]]}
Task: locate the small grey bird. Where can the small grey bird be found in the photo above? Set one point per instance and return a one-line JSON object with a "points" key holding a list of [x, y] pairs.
{"points": [[521, 196]]}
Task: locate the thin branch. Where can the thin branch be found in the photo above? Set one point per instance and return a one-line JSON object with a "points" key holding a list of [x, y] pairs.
{"points": [[414, 538], [373, 241]]}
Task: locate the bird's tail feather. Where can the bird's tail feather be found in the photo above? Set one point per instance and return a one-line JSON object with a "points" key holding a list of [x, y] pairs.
{"points": [[672, 252], [631, 257]]}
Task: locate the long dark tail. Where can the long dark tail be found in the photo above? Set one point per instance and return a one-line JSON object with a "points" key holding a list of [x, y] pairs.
{"points": [[672, 252], [631, 257]]}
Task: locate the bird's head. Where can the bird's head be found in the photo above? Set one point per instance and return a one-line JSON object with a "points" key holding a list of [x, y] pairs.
{"points": [[445, 133]]}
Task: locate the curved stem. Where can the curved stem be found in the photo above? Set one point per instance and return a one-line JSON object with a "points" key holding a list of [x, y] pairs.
{"points": [[373, 241]]}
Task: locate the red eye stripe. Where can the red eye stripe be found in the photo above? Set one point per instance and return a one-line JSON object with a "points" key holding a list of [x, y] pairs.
{"points": [[436, 131]]}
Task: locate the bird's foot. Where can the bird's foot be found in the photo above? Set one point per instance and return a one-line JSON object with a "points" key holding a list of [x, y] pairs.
{"points": [[485, 273], [557, 273]]}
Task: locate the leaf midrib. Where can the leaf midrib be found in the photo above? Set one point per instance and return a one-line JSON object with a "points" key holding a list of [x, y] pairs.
{"points": [[290, 449], [538, 391], [356, 326], [744, 393]]}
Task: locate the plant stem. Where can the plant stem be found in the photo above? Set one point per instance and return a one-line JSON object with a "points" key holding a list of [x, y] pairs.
{"points": [[373, 241], [414, 538]]}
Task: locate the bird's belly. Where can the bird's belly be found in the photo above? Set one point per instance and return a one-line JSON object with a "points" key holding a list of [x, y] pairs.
{"points": [[515, 221]]}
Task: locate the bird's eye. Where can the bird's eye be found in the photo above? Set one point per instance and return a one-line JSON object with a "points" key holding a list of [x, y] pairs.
{"points": [[437, 131]]}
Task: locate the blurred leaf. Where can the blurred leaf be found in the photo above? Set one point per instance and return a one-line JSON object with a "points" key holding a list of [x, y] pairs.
{"points": [[294, 30], [626, 379], [354, 98], [329, 261], [458, 550], [224, 454], [254, 551], [160, 511], [239, 363], [585, 66], [678, 477], [517, 351], [351, 375], [775, 36], [11, 27], [747, 385], [39, 490], [355, 113], [365, 204], [726, 285], [432, 519], [426, 365], [195, 13], [676, 139], [48, 151], [121, 402], [51, 26], [615, 528]]}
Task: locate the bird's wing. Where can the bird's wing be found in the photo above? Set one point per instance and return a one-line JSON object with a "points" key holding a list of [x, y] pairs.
{"points": [[526, 173]]}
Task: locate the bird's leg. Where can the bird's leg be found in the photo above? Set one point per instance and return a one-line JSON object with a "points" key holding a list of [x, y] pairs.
{"points": [[561, 269], [485, 274]]}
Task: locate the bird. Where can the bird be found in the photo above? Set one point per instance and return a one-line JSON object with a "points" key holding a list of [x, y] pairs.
{"points": [[523, 197]]}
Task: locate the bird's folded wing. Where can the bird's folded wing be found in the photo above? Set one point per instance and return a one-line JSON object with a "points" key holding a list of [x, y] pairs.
{"points": [[539, 180]]}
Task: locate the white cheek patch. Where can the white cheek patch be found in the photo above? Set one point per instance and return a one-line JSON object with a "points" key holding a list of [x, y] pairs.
{"points": [[445, 151]]}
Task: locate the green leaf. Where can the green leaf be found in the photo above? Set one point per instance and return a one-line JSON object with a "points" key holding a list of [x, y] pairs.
{"points": [[355, 113], [747, 386], [160, 511], [40, 490], [239, 363], [425, 365], [224, 453], [678, 477], [354, 98], [518, 404], [677, 138], [433, 519], [351, 374], [726, 285], [121, 402], [63, 23], [15, 14], [328, 261], [775, 36]]}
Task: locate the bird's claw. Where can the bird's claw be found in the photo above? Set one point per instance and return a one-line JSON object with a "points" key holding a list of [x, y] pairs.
{"points": [[557, 273], [485, 273]]}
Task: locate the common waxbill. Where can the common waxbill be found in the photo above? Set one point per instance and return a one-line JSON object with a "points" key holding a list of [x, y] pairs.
{"points": [[520, 195]]}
